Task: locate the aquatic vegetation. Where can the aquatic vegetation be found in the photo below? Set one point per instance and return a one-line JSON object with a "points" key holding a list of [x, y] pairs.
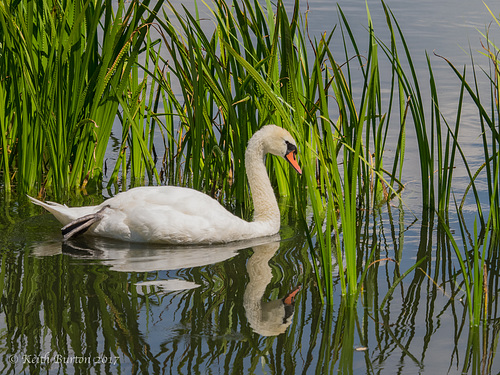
{"points": [[65, 69], [477, 263], [489, 119], [100, 85]]}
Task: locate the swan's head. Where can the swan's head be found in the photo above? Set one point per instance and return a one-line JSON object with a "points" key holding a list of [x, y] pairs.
{"points": [[279, 142]]}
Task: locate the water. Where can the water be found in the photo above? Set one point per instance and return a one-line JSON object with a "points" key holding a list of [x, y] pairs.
{"points": [[96, 306]]}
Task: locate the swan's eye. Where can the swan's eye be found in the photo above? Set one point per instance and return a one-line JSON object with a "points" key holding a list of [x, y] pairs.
{"points": [[290, 148]]}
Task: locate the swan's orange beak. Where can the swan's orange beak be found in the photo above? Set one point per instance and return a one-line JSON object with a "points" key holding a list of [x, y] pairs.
{"points": [[291, 157], [290, 299]]}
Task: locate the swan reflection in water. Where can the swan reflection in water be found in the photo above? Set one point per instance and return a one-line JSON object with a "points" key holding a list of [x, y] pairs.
{"points": [[267, 318]]}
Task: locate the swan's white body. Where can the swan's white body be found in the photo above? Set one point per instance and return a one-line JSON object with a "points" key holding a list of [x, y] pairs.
{"points": [[176, 215]]}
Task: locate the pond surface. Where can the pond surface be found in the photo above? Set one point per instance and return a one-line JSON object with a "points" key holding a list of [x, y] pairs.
{"points": [[95, 306], [110, 307]]}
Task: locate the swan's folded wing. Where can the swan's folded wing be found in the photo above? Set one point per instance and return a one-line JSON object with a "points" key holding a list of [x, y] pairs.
{"points": [[171, 215]]}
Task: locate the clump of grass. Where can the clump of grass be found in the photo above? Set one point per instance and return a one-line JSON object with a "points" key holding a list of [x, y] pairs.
{"points": [[65, 69], [350, 152], [474, 270], [436, 150], [241, 75], [484, 243]]}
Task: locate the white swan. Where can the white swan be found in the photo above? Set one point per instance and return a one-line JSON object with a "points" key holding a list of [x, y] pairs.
{"points": [[267, 318], [177, 215]]}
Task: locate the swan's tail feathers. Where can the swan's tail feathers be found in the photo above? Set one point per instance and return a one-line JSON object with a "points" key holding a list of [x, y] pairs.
{"points": [[49, 206], [81, 225], [60, 211]]}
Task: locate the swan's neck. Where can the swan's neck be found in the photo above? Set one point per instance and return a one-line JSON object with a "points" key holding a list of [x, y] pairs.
{"points": [[265, 205]]}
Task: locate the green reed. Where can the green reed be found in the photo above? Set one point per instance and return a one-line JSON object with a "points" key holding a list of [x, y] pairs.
{"points": [[489, 119], [211, 92], [436, 150], [474, 270], [356, 140], [249, 69], [65, 69], [480, 248]]}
